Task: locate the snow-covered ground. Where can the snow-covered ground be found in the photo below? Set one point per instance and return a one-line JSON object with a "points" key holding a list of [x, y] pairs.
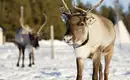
{"points": [[62, 67]]}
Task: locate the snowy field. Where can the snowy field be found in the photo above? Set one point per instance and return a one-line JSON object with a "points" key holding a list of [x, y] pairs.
{"points": [[62, 67]]}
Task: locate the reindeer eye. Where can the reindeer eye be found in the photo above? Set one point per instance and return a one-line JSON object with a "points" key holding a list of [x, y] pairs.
{"points": [[81, 24]]}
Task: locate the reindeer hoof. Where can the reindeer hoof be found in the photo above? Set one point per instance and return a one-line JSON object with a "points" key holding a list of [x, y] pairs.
{"points": [[22, 66], [30, 65], [17, 65], [33, 63]]}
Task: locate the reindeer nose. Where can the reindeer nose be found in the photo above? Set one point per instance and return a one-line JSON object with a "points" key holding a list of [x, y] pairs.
{"points": [[67, 39], [64, 39]]}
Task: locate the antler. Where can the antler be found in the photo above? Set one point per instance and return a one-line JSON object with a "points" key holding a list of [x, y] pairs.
{"points": [[22, 17], [26, 27], [97, 5], [79, 8], [66, 6], [90, 9], [42, 24]]}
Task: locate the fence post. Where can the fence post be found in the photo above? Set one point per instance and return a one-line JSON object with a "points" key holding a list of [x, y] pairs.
{"points": [[52, 41]]}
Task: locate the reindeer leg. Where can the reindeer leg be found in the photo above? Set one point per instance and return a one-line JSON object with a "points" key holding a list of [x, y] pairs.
{"points": [[19, 56], [33, 56], [96, 65], [95, 70], [108, 58], [30, 56], [80, 65], [23, 50], [100, 71]]}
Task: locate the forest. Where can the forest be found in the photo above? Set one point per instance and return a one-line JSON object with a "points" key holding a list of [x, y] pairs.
{"points": [[33, 16]]}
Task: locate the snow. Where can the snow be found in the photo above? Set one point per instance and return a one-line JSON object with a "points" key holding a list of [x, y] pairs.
{"points": [[62, 67], [122, 33]]}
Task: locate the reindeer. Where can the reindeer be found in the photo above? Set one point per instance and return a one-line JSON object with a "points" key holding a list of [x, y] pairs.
{"points": [[25, 38], [92, 36]]}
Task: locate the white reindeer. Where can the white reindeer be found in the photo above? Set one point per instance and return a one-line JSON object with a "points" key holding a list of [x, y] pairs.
{"points": [[91, 36]]}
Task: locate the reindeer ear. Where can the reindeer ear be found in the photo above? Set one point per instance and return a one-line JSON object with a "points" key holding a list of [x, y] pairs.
{"points": [[65, 17], [90, 20]]}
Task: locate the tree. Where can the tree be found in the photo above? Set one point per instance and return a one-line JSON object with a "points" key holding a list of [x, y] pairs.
{"points": [[34, 9], [108, 12], [129, 8]]}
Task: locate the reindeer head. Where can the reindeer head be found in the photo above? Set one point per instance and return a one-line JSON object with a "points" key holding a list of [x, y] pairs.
{"points": [[76, 24], [33, 36]]}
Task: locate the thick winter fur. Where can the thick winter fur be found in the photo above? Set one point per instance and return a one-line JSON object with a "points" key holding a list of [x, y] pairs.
{"points": [[101, 42], [26, 40]]}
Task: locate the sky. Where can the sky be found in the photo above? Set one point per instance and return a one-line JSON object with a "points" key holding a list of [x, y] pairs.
{"points": [[124, 3]]}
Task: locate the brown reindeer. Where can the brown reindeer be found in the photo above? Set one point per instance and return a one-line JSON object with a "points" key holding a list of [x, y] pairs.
{"points": [[91, 36]]}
